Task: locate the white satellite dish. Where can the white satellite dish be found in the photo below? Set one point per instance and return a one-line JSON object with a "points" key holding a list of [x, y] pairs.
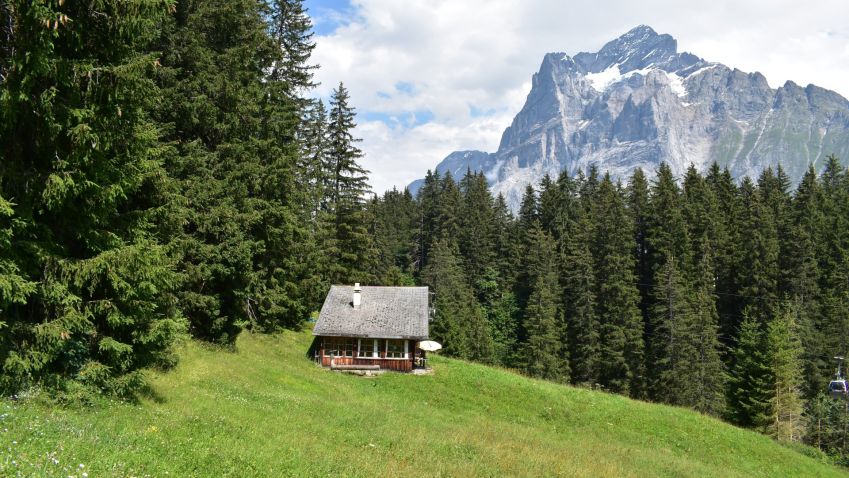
{"points": [[429, 345]]}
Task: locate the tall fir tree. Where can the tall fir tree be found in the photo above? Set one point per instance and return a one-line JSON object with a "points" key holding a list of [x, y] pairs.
{"points": [[579, 285], [784, 349], [477, 224], [349, 181], [638, 206], [726, 252], [706, 366], [671, 343], [544, 355], [804, 284], [620, 324], [428, 200], [749, 384], [502, 314], [459, 323], [759, 247], [87, 286]]}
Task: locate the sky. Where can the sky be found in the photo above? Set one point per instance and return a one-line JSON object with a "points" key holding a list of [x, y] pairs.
{"points": [[428, 77]]}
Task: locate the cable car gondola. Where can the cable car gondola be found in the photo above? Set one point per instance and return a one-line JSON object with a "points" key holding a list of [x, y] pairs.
{"points": [[837, 388]]}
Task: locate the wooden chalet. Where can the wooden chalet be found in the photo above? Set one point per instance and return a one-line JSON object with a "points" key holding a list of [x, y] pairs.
{"points": [[372, 328]]}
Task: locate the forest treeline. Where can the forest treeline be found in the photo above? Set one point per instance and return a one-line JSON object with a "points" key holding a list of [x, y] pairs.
{"points": [[727, 297], [165, 172]]}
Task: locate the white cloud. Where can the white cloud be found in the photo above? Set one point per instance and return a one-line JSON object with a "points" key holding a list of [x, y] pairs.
{"points": [[482, 53]]}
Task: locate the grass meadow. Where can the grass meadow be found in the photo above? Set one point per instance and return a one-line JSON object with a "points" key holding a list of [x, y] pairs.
{"points": [[265, 410]]}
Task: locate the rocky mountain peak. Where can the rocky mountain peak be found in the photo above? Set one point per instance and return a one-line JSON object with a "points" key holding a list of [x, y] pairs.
{"points": [[636, 49], [637, 102]]}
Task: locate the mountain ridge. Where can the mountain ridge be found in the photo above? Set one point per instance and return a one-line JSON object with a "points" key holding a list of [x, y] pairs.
{"points": [[638, 101]]}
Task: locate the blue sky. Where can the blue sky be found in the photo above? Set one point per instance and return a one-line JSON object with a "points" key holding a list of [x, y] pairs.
{"points": [[429, 77], [327, 15]]}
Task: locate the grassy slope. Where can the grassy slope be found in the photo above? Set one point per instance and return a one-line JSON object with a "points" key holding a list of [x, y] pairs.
{"points": [[267, 411]]}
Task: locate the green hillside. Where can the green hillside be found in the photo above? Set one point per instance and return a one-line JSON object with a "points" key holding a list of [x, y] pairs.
{"points": [[266, 410]]}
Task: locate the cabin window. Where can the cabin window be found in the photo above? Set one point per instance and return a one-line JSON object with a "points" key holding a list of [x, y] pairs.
{"points": [[396, 349], [339, 347], [367, 348]]}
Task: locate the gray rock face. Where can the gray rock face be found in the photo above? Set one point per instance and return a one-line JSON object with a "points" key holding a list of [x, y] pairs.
{"points": [[638, 102], [457, 163]]}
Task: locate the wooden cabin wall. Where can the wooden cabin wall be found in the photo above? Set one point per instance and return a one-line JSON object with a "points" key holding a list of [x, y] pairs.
{"points": [[399, 365]]}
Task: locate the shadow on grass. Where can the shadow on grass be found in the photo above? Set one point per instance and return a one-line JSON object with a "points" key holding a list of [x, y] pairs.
{"points": [[311, 351], [149, 393]]}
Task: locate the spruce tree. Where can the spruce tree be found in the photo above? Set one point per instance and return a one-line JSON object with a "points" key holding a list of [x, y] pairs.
{"points": [[804, 283], [544, 354], [428, 199], [504, 232], [477, 224], [528, 212], [638, 206], [459, 323], [502, 314], [671, 344], [213, 87], [315, 156], [620, 324], [784, 349], [291, 30], [759, 255], [834, 257], [449, 209], [749, 386], [87, 286], [548, 205], [579, 283], [349, 182], [726, 251], [706, 367], [669, 257]]}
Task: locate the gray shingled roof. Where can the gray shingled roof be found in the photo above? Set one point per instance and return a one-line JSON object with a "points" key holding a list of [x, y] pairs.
{"points": [[384, 312]]}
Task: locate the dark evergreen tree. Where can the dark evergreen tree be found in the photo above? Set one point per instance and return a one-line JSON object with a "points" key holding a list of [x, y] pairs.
{"points": [[315, 160], [638, 205], [749, 381], [620, 325], [671, 342], [449, 209], [291, 30], [669, 261], [759, 255], [579, 283], [352, 246], [707, 390], [548, 205], [459, 323], [87, 287], [502, 314], [428, 199], [211, 110], [504, 232], [785, 421], [397, 218], [528, 212], [834, 257], [804, 288], [544, 355], [726, 252], [477, 225]]}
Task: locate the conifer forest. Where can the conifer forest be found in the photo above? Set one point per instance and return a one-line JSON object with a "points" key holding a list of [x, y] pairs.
{"points": [[165, 173]]}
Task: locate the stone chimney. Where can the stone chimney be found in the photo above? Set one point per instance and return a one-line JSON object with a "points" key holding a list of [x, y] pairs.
{"points": [[357, 295]]}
